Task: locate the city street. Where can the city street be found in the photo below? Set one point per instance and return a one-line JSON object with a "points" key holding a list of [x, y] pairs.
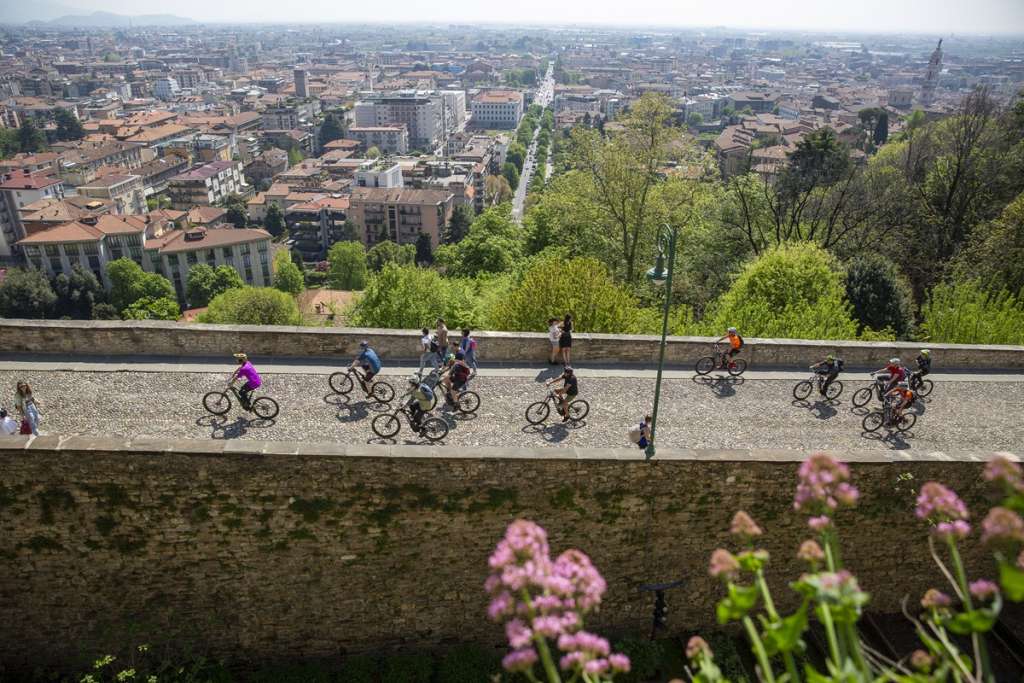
{"points": [[545, 93]]}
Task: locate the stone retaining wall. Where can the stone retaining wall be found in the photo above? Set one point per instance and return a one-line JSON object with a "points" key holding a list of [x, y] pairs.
{"points": [[73, 337], [259, 550]]}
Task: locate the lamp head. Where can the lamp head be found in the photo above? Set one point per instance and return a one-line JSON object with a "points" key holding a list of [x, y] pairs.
{"points": [[658, 274]]}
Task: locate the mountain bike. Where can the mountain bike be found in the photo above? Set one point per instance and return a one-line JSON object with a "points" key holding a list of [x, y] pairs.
{"points": [[804, 388], [862, 396], [920, 385], [388, 425], [343, 382], [539, 411], [877, 418], [219, 403], [466, 401], [720, 360]]}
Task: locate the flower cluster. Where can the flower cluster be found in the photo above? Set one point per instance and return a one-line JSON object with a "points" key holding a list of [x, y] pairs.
{"points": [[744, 526], [539, 599], [942, 506], [724, 565], [935, 599], [1002, 525], [1006, 472], [983, 589], [822, 488]]}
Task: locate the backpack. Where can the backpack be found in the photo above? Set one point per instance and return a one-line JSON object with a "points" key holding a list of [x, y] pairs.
{"points": [[741, 341], [460, 371], [635, 434], [839, 364], [427, 391], [434, 348]]}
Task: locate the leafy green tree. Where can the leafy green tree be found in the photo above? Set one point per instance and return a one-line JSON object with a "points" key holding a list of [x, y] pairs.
{"points": [[880, 296], [68, 125], [157, 201], [389, 252], [458, 226], [26, 294], [148, 308], [695, 119], [295, 156], [966, 313], [204, 283], [332, 129], [129, 283], [516, 155], [408, 297], [493, 244], [30, 138], [348, 266], [496, 190], [104, 311], [882, 129], [373, 153], [77, 293], [995, 253], [274, 221], [287, 276], [554, 286], [795, 291], [10, 143], [509, 172], [252, 306], [424, 249], [237, 213]]}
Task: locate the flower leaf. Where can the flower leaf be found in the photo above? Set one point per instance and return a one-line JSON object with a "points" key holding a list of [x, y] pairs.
{"points": [[1011, 579], [737, 603], [784, 635]]}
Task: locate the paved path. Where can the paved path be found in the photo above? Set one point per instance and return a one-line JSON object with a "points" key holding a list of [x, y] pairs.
{"points": [[161, 397]]}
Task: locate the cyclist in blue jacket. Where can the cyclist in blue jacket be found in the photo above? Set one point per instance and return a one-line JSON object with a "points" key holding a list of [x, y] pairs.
{"points": [[370, 363]]}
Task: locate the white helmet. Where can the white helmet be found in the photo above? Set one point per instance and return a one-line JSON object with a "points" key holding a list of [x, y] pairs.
{"points": [[894, 361], [732, 330], [413, 379]]}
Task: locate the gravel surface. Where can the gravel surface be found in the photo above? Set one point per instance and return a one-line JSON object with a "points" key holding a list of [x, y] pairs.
{"points": [[725, 413]]}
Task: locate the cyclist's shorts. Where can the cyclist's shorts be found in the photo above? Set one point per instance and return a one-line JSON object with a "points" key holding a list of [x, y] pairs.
{"points": [[732, 352], [368, 372], [458, 384], [571, 393], [249, 386]]}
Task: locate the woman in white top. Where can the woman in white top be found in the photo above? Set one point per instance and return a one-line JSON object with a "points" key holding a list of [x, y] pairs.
{"points": [[26, 405], [554, 333]]}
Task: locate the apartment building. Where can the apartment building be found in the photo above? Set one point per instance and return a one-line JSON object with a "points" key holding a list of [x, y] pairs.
{"points": [[419, 111], [247, 250], [501, 109], [126, 192], [166, 88], [379, 174], [388, 139], [18, 190], [80, 162], [206, 185], [315, 225], [400, 214]]}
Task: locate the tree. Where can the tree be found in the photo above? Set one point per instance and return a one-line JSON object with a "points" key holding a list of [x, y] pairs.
{"points": [[30, 138], [493, 244], [880, 296], [424, 249], [148, 308], [373, 153], [274, 221], [509, 172], [458, 226], [252, 306], [77, 293], [792, 291], [695, 119], [104, 312], [496, 190], [882, 129], [348, 265], [10, 143], [516, 155], [409, 297], [129, 283], [68, 125], [994, 255], [332, 129], [965, 313], [295, 156], [287, 276], [389, 252], [554, 286], [237, 211], [204, 283], [157, 201], [26, 294]]}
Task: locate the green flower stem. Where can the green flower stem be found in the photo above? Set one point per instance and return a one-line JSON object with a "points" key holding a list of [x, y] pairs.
{"points": [[830, 632], [769, 605], [542, 645], [961, 578], [768, 676], [855, 648]]}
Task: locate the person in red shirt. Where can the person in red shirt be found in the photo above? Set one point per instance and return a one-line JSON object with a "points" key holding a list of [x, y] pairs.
{"points": [[905, 397], [895, 371], [735, 342]]}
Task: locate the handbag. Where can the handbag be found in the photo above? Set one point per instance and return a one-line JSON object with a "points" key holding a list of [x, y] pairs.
{"points": [[25, 428], [635, 434]]}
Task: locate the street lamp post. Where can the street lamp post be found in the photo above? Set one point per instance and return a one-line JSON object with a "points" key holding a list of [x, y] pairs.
{"points": [[667, 236]]}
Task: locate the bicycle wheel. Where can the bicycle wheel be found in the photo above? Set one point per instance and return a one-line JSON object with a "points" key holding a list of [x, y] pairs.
{"points": [[341, 382], [265, 408], [834, 389], [537, 412], [382, 392], [705, 365], [468, 402], [217, 403], [578, 410], [737, 367], [802, 390], [385, 426], [907, 421], [434, 429], [925, 387], [872, 421], [862, 396]]}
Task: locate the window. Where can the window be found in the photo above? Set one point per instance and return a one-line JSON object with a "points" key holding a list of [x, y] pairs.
{"points": [[172, 260], [246, 248], [94, 263], [266, 274], [191, 258], [246, 260], [248, 274], [226, 253]]}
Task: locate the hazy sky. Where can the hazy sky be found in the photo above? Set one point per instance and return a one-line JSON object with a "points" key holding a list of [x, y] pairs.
{"points": [[918, 16]]}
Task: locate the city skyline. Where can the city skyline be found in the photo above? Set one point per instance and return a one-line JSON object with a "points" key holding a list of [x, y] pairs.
{"points": [[940, 17]]}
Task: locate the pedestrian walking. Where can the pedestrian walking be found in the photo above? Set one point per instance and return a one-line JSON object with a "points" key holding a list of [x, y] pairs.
{"points": [[8, 425], [27, 407], [641, 434], [428, 351], [565, 340], [468, 348], [442, 334], [554, 333]]}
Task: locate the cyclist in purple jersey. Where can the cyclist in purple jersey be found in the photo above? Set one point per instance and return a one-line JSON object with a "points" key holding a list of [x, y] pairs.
{"points": [[252, 379]]}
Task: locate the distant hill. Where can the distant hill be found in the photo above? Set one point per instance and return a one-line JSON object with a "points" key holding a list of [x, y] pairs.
{"points": [[111, 20]]}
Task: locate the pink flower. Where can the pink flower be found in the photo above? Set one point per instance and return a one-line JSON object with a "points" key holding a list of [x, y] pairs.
{"points": [[744, 526], [934, 599], [810, 551], [819, 523], [983, 589], [519, 660], [500, 606], [938, 502], [619, 663], [958, 529], [723, 565], [820, 484], [921, 660], [847, 494], [575, 575], [833, 581], [549, 627], [596, 666], [518, 635], [1002, 525], [1005, 471], [572, 660], [695, 646]]}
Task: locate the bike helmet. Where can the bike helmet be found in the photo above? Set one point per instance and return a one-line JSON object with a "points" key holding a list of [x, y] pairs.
{"points": [[925, 352], [830, 357], [894, 361], [364, 344], [413, 379], [568, 370], [732, 330], [459, 355], [241, 356]]}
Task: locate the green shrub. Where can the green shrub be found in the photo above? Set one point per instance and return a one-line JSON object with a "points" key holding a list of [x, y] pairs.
{"points": [[644, 658], [408, 668], [407, 297], [965, 313], [468, 664], [727, 657], [316, 278], [252, 306], [880, 295]]}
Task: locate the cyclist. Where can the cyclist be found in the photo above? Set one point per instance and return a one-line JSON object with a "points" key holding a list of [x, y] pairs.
{"points": [[420, 397], [252, 379], [894, 372], [924, 364], [735, 344], [456, 379], [369, 361], [903, 397], [570, 389], [830, 368]]}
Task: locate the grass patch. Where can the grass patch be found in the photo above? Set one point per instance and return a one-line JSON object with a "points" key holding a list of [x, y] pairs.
{"points": [[310, 510], [51, 499]]}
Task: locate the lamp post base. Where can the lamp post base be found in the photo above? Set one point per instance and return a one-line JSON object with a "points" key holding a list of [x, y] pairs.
{"points": [[649, 451]]}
